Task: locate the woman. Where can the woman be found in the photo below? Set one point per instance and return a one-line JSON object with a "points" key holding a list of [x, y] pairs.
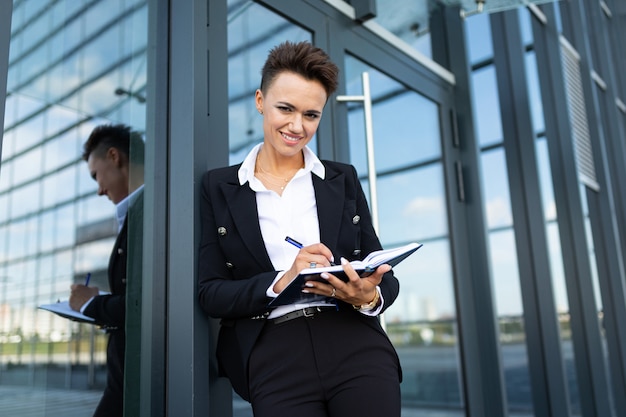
{"points": [[328, 356]]}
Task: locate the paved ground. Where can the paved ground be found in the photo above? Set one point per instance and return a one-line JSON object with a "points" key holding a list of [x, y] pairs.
{"points": [[430, 377], [37, 402]]}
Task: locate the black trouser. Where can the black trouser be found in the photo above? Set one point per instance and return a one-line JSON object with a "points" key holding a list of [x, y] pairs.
{"points": [[334, 364], [112, 401]]}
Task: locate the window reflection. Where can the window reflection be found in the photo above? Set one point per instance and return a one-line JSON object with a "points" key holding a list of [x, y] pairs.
{"points": [[480, 47], [55, 151], [404, 144], [28, 133], [66, 60], [534, 93], [418, 211], [497, 202], [33, 160], [557, 272], [248, 44], [412, 207], [408, 20], [486, 105], [25, 200], [4, 209], [496, 189]]}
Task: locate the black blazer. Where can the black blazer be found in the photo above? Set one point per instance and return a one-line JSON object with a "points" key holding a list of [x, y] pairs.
{"points": [[235, 269], [109, 311]]}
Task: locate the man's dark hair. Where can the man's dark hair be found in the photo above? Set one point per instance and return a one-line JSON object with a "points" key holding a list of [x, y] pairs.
{"points": [[121, 137], [304, 59]]}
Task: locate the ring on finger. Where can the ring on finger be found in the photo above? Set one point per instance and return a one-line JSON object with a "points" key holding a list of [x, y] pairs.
{"points": [[332, 294], [312, 264]]}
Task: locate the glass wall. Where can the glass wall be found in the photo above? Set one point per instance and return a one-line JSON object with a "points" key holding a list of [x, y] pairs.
{"points": [[252, 31], [73, 65], [408, 20], [497, 201], [422, 323], [76, 64], [550, 213]]}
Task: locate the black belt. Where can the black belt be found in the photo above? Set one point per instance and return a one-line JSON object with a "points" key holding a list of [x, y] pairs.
{"points": [[303, 312]]}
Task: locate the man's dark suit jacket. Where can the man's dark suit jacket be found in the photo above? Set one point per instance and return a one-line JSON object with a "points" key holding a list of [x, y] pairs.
{"points": [[109, 311], [235, 269]]}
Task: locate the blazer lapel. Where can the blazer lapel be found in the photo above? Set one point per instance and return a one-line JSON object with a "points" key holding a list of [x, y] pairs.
{"points": [[241, 202], [330, 195]]}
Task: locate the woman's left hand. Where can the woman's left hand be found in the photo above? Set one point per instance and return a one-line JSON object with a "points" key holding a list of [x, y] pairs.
{"points": [[356, 291]]}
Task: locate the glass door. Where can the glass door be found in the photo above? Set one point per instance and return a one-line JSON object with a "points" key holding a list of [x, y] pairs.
{"points": [[410, 205], [408, 107]]}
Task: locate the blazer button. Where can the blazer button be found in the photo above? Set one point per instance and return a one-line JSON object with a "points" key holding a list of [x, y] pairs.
{"points": [[356, 252], [356, 219], [221, 231], [229, 265], [120, 251]]}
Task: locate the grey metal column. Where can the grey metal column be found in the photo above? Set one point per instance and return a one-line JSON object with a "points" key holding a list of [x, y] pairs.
{"points": [[607, 207], [589, 358], [147, 398], [483, 385], [198, 133], [546, 366]]}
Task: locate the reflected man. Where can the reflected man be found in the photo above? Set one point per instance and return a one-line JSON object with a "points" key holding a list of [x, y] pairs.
{"points": [[108, 154]]}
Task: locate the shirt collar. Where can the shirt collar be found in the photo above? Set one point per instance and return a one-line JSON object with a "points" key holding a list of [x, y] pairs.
{"points": [[311, 164], [122, 207]]}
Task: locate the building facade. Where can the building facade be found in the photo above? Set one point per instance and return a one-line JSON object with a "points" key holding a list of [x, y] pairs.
{"points": [[492, 132]]}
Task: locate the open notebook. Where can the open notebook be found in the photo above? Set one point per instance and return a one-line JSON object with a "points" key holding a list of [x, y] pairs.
{"points": [[63, 309], [293, 292]]}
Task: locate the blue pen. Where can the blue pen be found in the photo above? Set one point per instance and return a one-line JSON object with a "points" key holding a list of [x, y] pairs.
{"points": [[87, 279], [298, 245], [294, 242]]}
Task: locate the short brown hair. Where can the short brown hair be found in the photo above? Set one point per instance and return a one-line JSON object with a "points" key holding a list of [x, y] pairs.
{"points": [[120, 136], [301, 58]]}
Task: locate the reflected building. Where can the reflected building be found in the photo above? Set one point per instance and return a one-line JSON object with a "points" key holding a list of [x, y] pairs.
{"points": [[497, 140], [71, 66]]}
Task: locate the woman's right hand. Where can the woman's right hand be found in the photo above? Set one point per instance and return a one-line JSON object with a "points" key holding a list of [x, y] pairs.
{"points": [[317, 253]]}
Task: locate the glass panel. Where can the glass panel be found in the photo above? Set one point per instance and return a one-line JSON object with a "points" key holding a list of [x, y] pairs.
{"points": [[526, 26], [502, 250], [25, 200], [60, 186], [61, 150], [557, 274], [67, 59], [408, 20], [252, 31], [479, 45], [595, 281], [552, 226], [486, 105], [506, 281], [422, 323], [393, 103], [497, 201], [28, 166]]}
